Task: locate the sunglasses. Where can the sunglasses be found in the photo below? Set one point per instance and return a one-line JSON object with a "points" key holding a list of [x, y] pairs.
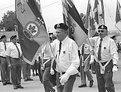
{"points": [[100, 31]]}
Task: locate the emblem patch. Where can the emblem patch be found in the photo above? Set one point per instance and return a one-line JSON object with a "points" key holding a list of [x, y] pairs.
{"points": [[31, 30]]}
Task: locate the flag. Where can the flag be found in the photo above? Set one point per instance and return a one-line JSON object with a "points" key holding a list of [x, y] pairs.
{"points": [[73, 20], [118, 16], [99, 12], [32, 32], [118, 12], [89, 20]]}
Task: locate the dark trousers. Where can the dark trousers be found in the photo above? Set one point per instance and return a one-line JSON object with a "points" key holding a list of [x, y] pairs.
{"points": [[68, 86], [85, 70], [26, 70], [5, 71], [48, 86], [15, 71], [105, 81]]}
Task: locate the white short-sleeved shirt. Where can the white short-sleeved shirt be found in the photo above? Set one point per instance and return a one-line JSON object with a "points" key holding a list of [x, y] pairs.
{"points": [[12, 50], [68, 54], [108, 48]]}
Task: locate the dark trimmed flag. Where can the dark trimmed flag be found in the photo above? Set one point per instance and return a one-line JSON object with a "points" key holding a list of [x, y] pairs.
{"points": [[32, 32], [99, 12], [118, 16], [74, 21]]}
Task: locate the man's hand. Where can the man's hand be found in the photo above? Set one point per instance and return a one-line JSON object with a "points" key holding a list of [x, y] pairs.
{"points": [[52, 71], [115, 68], [64, 78]]}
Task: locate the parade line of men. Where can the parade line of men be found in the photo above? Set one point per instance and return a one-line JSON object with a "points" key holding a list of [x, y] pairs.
{"points": [[61, 61]]}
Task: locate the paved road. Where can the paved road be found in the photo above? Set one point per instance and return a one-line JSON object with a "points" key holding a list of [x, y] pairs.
{"points": [[36, 86]]}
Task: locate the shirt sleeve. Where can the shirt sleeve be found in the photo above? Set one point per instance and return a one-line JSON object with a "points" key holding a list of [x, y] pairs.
{"points": [[74, 58], [114, 53]]}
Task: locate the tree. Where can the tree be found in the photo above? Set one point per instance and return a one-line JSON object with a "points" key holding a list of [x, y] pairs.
{"points": [[9, 21]]}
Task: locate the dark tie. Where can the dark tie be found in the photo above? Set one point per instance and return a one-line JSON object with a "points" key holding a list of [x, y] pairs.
{"points": [[82, 49], [4, 45], [18, 50], [99, 50], [60, 47]]}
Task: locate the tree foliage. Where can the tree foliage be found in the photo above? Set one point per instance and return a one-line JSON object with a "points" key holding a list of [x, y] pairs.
{"points": [[8, 21]]}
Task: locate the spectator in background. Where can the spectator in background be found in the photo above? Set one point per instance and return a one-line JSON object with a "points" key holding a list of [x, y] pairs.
{"points": [[5, 71], [14, 56], [26, 71]]}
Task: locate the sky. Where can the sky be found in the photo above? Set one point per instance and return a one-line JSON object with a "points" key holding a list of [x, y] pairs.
{"points": [[52, 11]]}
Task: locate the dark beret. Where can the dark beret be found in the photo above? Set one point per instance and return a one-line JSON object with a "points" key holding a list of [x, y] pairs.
{"points": [[102, 27], [61, 26], [12, 37], [3, 36]]}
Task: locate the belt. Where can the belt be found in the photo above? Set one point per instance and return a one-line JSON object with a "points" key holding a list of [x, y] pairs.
{"points": [[2, 57], [14, 58]]}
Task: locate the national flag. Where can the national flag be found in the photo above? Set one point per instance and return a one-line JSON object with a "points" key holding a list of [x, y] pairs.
{"points": [[89, 20], [118, 16], [32, 32], [118, 12], [99, 12], [73, 20]]}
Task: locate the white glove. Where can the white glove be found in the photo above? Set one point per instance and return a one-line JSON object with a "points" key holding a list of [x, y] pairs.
{"points": [[64, 78], [52, 71], [115, 68]]}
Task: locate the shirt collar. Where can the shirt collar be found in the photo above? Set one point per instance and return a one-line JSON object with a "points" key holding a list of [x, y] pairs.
{"points": [[65, 40]]}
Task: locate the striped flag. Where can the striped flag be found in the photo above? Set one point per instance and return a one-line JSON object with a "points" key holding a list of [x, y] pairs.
{"points": [[99, 12], [73, 20], [32, 32], [118, 16], [89, 20]]}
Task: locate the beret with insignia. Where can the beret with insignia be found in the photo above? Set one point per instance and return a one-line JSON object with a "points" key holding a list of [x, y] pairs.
{"points": [[102, 27], [3, 36], [12, 37], [61, 26]]}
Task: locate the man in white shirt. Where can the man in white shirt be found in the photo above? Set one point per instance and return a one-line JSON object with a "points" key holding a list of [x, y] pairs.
{"points": [[14, 55], [5, 71], [106, 56], [67, 59]]}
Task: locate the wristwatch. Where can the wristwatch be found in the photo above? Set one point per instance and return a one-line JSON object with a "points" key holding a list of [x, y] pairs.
{"points": [[114, 65]]}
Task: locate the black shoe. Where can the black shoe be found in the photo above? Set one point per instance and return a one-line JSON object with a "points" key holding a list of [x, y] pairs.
{"points": [[15, 87], [9, 83], [91, 83], [83, 85], [29, 79], [19, 86], [4, 84]]}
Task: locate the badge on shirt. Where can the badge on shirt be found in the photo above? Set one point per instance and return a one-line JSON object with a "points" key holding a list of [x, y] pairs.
{"points": [[104, 47], [64, 52]]}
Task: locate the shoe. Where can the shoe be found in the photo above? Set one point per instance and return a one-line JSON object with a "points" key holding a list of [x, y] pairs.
{"points": [[15, 87], [19, 86], [9, 83], [0, 81], [83, 85], [25, 79], [91, 83], [29, 79], [4, 84]]}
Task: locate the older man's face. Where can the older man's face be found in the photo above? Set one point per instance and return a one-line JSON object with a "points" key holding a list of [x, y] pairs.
{"points": [[102, 32], [60, 34]]}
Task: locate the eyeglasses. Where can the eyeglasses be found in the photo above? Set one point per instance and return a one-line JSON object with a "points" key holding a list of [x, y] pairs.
{"points": [[100, 31]]}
